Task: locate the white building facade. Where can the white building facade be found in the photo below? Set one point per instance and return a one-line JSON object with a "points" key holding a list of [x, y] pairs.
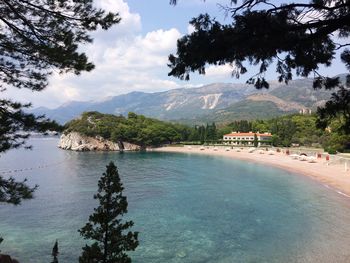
{"points": [[247, 138]]}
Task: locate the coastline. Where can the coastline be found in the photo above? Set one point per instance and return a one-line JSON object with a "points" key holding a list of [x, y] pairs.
{"points": [[331, 176]]}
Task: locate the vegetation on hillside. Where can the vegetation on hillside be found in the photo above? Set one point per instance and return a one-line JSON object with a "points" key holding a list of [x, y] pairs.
{"points": [[287, 130], [134, 128], [295, 129], [244, 110]]}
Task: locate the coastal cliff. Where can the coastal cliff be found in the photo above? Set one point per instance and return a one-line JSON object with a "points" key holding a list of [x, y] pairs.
{"points": [[77, 142]]}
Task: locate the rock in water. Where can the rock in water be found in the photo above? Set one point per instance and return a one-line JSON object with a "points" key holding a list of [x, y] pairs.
{"points": [[77, 142]]}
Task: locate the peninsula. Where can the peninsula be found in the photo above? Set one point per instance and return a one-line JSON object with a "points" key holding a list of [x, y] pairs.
{"points": [[94, 131]]}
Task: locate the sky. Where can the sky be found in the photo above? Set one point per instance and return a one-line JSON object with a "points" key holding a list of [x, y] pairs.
{"points": [[133, 55]]}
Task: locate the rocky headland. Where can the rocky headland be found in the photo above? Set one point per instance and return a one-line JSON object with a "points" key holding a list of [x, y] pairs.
{"points": [[77, 142]]}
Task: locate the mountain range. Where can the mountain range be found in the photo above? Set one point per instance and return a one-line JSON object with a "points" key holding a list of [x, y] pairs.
{"points": [[219, 102]]}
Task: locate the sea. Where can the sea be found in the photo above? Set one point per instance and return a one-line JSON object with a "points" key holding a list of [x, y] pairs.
{"points": [[186, 207]]}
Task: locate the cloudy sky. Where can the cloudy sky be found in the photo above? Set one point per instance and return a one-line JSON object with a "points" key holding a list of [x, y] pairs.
{"points": [[132, 56]]}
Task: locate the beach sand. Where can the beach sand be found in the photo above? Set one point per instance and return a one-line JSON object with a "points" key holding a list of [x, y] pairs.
{"points": [[331, 176]]}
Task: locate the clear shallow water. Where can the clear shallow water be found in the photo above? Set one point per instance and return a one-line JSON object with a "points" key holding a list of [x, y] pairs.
{"points": [[187, 208]]}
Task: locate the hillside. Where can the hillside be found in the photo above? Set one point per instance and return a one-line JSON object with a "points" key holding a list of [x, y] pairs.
{"points": [[244, 110], [214, 102], [135, 129]]}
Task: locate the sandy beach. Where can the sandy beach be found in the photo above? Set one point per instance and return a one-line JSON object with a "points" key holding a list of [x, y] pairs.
{"points": [[331, 176]]}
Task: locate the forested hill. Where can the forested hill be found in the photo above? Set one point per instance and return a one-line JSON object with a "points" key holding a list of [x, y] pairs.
{"points": [[134, 128]]}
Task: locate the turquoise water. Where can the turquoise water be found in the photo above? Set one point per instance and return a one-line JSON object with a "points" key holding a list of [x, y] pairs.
{"points": [[187, 208]]}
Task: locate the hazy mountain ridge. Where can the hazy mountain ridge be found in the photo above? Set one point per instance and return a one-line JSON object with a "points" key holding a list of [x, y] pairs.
{"points": [[214, 102]]}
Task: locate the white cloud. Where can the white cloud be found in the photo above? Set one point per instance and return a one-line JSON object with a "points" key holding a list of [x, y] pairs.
{"points": [[130, 23], [125, 61], [218, 71]]}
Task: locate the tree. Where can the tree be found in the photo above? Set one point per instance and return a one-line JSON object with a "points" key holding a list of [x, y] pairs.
{"points": [[105, 225], [256, 143], [54, 253], [337, 108], [13, 192], [296, 37], [36, 38], [211, 132]]}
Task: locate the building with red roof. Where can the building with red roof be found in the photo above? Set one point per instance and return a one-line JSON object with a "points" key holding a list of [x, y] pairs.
{"points": [[247, 138]]}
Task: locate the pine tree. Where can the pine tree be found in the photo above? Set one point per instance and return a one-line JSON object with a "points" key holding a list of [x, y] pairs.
{"points": [[37, 38], [54, 253], [105, 225], [256, 143]]}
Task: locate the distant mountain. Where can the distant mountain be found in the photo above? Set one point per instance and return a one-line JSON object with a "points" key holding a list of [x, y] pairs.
{"points": [[169, 105], [282, 99], [214, 102]]}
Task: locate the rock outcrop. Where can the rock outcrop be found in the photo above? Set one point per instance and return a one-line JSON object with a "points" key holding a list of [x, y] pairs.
{"points": [[77, 142], [7, 259]]}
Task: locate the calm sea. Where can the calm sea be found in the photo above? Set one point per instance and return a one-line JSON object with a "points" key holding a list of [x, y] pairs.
{"points": [[187, 208]]}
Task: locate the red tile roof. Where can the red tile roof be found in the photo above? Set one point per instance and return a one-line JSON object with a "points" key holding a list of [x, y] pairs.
{"points": [[248, 134]]}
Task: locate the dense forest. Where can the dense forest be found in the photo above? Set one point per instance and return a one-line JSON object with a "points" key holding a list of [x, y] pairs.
{"points": [[134, 128], [287, 131]]}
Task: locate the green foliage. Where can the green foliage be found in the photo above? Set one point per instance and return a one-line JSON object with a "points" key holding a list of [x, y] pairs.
{"points": [[55, 253], [244, 110], [298, 129], [201, 133], [335, 142], [260, 126], [256, 142], [337, 108], [13, 192], [105, 227], [39, 36], [271, 33], [15, 125], [36, 38], [263, 32], [306, 132], [134, 129], [240, 126], [284, 130]]}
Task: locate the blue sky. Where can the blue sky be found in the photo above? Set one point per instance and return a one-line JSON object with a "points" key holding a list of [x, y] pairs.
{"points": [[158, 13], [132, 56]]}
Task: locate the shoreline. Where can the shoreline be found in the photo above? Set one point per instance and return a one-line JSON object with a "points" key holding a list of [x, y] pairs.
{"points": [[331, 176]]}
